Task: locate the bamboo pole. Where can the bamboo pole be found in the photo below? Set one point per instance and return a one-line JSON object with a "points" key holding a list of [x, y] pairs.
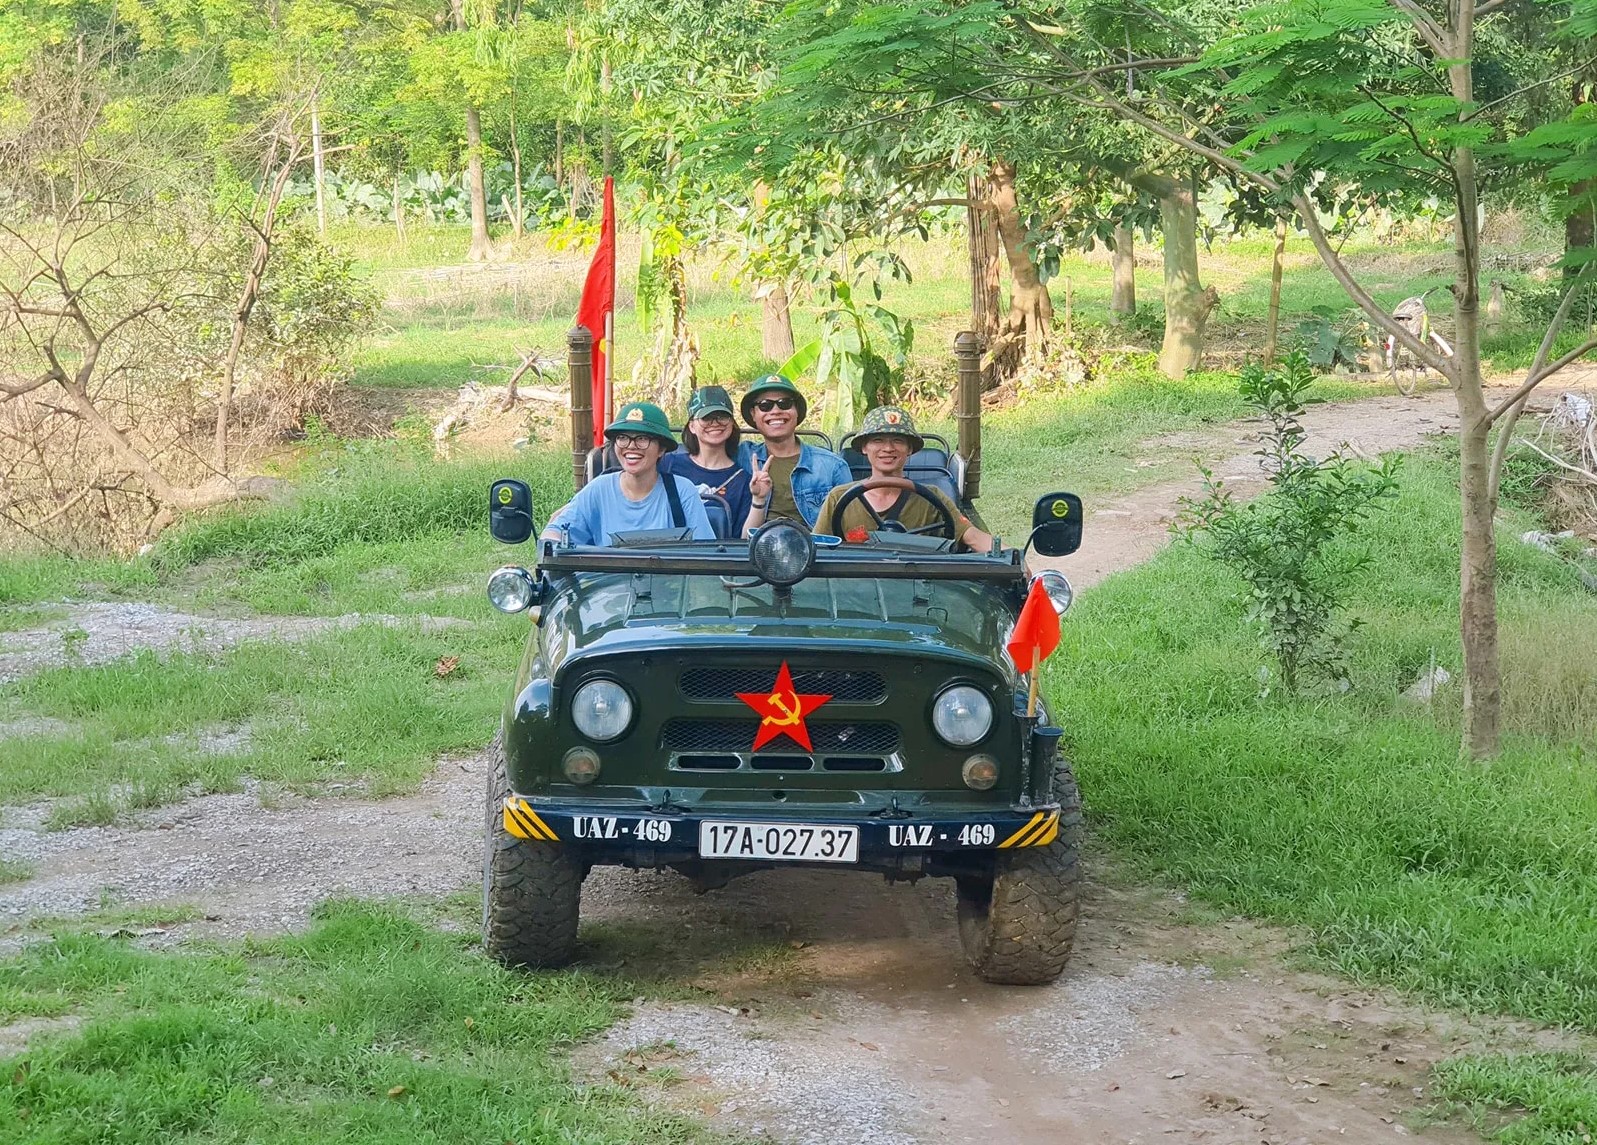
{"points": [[967, 408], [579, 357]]}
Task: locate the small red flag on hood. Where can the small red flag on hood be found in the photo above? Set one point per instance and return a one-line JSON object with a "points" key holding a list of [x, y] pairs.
{"points": [[598, 301], [1036, 633]]}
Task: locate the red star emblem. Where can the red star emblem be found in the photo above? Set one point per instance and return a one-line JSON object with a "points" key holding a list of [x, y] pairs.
{"points": [[782, 710]]}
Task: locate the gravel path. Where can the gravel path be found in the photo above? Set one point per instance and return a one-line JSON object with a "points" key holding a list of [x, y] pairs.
{"points": [[99, 632]]}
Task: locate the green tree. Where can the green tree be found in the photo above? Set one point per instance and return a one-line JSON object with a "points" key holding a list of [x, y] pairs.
{"points": [[1402, 100]]}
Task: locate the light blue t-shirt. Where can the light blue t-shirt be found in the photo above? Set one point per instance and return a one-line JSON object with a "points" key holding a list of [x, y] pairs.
{"points": [[600, 508]]}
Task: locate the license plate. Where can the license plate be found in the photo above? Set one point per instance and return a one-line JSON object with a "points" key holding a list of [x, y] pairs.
{"points": [[799, 842]]}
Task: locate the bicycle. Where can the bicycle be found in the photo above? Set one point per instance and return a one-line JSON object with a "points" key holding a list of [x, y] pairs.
{"points": [[1404, 369]]}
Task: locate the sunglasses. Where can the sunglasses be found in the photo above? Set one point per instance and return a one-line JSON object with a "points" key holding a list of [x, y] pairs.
{"points": [[716, 418], [631, 440], [766, 405]]}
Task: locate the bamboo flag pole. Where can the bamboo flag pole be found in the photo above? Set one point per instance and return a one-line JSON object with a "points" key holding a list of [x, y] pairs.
{"points": [[1031, 691], [609, 366]]}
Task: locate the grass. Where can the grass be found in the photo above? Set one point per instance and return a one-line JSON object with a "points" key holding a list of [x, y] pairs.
{"points": [[15, 871], [1524, 1099], [1353, 816], [364, 704], [372, 1027], [371, 531]]}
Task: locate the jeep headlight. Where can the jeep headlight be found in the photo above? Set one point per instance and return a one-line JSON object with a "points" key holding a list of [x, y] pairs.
{"points": [[782, 553], [962, 715], [511, 589], [602, 710], [1060, 594]]}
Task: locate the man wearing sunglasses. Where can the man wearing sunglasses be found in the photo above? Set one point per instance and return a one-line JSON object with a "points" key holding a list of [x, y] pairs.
{"points": [[639, 497], [787, 477]]}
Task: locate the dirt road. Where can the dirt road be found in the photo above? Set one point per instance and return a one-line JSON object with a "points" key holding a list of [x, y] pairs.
{"points": [[842, 1012]]}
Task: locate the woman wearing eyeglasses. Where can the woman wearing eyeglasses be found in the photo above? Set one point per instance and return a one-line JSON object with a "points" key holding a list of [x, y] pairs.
{"points": [[787, 477], [639, 496], [708, 456]]}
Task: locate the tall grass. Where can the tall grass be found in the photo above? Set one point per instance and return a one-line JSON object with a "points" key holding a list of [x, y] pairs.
{"points": [[367, 496]]}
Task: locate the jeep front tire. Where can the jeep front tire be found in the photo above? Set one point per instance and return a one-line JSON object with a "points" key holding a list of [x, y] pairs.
{"points": [[1018, 927], [531, 892]]}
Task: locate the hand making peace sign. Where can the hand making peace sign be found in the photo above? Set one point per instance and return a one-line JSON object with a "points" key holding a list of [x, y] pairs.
{"points": [[760, 481]]}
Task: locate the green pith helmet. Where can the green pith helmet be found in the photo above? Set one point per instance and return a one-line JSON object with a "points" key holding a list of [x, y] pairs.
{"points": [[708, 400], [642, 417], [772, 383], [889, 421]]}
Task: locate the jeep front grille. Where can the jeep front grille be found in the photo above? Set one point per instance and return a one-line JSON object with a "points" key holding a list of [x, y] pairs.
{"points": [[826, 736], [726, 683]]}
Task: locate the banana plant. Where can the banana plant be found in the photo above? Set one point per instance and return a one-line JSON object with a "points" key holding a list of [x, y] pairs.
{"points": [[848, 367]]}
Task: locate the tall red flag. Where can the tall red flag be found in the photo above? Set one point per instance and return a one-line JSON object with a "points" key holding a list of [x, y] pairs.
{"points": [[598, 303], [1036, 631]]}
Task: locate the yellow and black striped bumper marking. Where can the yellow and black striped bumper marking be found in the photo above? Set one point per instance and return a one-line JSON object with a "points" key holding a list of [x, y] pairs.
{"points": [[523, 822], [1039, 832]]}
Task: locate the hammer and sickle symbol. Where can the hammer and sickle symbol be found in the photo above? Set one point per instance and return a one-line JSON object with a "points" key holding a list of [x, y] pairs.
{"points": [[791, 715]]}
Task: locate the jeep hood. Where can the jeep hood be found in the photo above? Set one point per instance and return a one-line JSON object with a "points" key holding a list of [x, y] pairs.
{"points": [[593, 614]]}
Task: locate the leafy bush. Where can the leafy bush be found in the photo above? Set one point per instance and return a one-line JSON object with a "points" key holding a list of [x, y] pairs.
{"points": [[313, 309], [1330, 339], [1279, 543]]}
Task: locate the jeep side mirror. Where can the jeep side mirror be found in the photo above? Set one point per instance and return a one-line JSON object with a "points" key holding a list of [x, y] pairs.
{"points": [[1056, 525], [510, 511]]}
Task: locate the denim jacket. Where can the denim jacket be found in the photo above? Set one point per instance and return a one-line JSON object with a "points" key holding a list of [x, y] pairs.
{"points": [[817, 473]]}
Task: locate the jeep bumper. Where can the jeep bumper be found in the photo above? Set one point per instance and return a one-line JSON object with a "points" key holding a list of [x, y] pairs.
{"points": [[663, 837]]}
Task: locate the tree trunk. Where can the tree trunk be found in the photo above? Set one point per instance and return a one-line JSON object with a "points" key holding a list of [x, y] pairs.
{"points": [[1031, 311], [776, 321], [515, 166], [1579, 224], [399, 214], [319, 169], [476, 185], [1273, 333], [1578, 228], [776, 325], [479, 192], [1123, 260], [986, 280], [1187, 304], [560, 153], [1483, 680]]}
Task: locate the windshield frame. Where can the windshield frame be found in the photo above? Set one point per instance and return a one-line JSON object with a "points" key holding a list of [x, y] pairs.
{"points": [[731, 558]]}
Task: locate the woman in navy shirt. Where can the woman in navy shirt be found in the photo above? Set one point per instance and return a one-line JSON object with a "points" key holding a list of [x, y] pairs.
{"points": [[708, 456]]}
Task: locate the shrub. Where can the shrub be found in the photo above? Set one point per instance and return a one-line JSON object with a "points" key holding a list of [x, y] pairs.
{"points": [[1280, 543]]}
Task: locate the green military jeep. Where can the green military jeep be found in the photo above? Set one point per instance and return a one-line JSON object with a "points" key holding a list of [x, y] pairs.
{"points": [[720, 707]]}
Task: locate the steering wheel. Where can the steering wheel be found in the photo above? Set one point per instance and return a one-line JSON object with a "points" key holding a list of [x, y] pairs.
{"points": [[946, 527]]}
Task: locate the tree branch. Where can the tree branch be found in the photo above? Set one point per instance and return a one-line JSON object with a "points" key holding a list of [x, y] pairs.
{"points": [[1430, 31], [16, 391], [1485, 107], [1489, 7]]}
